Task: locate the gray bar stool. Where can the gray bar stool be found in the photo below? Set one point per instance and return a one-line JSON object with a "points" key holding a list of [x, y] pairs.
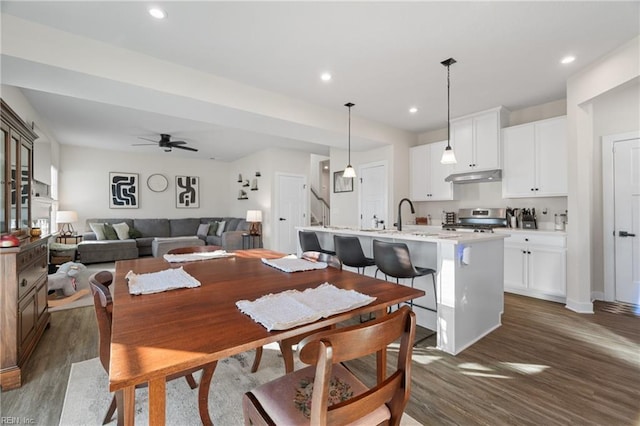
{"points": [[309, 242], [393, 260], [349, 251]]}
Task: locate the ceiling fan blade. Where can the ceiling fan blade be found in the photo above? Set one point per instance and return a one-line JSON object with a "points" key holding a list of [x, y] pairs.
{"points": [[147, 139], [143, 144], [177, 143], [188, 148]]}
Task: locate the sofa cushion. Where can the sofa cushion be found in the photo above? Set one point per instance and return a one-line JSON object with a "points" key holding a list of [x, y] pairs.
{"points": [[221, 228], [110, 233], [98, 229], [122, 229], [153, 227], [184, 227], [203, 230], [231, 223]]}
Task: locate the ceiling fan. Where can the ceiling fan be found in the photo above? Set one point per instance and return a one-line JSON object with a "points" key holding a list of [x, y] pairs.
{"points": [[166, 143]]}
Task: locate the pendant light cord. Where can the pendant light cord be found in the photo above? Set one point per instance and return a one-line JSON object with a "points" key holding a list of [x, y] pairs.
{"points": [[448, 109]]}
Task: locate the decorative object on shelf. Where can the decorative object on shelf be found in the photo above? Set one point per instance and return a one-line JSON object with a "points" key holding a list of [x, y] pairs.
{"points": [[349, 172], [36, 232], [239, 178], [258, 174], [66, 218], [246, 183], [242, 195], [157, 182], [254, 185], [448, 157], [254, 217], [187, 192], [9, 241], [341, 183], [123, 190]]}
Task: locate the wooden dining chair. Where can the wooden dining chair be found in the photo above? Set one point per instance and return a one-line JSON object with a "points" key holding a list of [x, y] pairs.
{"points": [[100, 282], [326, 392], [286, 346]]}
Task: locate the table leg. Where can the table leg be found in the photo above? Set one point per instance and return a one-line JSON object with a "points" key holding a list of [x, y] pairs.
{"points": [[126, 402], [157, 402]]}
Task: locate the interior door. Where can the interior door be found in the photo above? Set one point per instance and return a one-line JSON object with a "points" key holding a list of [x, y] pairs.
{"points": [[373, 194], [291, 211], [627, 220]]}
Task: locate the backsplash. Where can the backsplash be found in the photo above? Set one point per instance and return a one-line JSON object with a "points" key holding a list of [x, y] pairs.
{"points": [[489, 194]]}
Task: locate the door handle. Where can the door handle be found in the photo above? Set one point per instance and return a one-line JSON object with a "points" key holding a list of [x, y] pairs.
{"points": [[282, 218], [625, 234]]}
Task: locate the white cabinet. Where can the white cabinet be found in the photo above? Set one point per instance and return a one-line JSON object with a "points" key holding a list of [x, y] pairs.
{"points": [[475, 139], [535, 159], [427, 173], [535, 265]]}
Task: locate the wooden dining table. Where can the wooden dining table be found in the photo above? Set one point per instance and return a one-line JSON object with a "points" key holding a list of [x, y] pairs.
{"points": [[158, 335]]}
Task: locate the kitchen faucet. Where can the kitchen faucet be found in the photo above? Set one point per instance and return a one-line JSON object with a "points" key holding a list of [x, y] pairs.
{"points": [[399, 224]]}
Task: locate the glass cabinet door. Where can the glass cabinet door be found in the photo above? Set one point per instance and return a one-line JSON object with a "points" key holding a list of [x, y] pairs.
{"points": [[14, 147], [25, 187], [3, 182]]}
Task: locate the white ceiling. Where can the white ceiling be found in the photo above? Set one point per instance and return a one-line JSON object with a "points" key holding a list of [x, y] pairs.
{"points": [[384, 56]]}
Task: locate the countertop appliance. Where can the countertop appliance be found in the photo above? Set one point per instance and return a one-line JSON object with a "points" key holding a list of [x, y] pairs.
{"points": [[478, 220]]}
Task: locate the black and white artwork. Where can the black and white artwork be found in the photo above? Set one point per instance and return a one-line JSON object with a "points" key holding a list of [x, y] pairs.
{"points": [[187, 192], [123, 190]]}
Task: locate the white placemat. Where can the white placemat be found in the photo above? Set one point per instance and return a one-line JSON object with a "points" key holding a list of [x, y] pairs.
{"points": [[291, 308], [193, 257], [291, 263], [156, 282]]}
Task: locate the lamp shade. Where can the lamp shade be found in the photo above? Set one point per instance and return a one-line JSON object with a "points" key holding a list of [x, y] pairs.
{"points": [[254, 215], [448, 157], [66, 216]]}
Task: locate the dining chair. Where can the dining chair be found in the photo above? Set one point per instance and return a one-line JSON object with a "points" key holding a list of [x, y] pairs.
{"points": [[286, 346], [349, 251], [326, 392], [309, 242], [194, 249], [103, 302]]}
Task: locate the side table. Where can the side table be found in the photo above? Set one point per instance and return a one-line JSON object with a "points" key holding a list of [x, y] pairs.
{"points": [[250, 241], [69, 239]]}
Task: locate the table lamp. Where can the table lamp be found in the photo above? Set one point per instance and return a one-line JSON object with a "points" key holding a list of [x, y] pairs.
{"points": [[255, 218], [65, 219]]}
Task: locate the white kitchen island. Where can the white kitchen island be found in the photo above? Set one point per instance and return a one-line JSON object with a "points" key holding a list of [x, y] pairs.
{"points": [[469, 280]]}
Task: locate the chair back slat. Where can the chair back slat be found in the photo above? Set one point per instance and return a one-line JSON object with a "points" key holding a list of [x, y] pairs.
{"points": [[103, 303]]}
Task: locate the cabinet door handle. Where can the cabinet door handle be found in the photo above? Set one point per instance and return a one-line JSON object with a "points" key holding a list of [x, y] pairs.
{"points": [[24, 282], [625, 234], [528, 252], [526, 239]]}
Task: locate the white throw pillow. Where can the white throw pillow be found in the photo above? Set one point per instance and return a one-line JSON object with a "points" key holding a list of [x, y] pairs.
{"points": [[203, 230], [220, 228], [122, 229], [98, 229]]}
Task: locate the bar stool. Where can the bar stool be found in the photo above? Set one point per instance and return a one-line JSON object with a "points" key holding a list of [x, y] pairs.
{"points": [[309, 242], [349, 251], [394, 260]]}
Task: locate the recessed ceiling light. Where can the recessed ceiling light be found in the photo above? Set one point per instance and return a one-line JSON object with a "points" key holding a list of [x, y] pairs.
{"points": [[157, 13], [568, 59], [413, 110], [325, 76]]}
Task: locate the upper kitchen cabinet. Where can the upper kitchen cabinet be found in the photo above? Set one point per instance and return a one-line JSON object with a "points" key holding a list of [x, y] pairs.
{"points": [[535, 159], [427, 173], [476, 140]]}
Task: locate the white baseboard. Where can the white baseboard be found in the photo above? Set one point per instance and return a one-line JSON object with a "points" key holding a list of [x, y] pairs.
{"points": [[597, 295], [579, 307]]}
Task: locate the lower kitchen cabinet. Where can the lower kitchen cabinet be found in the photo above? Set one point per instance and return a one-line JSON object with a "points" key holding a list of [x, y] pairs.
{"points": [[536, 265]]}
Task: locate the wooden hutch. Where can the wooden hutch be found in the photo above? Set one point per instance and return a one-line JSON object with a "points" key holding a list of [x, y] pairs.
{"points": [[24, 314]]}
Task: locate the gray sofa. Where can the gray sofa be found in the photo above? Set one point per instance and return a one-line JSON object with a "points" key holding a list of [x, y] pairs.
{"points": [[92, 250]]}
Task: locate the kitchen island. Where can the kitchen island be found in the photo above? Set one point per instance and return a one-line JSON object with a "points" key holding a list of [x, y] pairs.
{"points": [[469, 283]]}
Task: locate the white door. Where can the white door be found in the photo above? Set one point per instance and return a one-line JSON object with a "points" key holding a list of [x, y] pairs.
{"points": [[373, 194], [627, 220], [290, 211]]}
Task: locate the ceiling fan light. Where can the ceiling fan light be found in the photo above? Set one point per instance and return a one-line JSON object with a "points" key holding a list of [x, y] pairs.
{"points": [[448, 157], [349, 172]]}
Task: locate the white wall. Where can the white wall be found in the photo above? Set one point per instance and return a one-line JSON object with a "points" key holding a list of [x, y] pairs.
{"points": [[84, 184]]}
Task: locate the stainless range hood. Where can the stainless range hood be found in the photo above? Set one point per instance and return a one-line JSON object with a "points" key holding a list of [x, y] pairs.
{"points": [[475, 177]]}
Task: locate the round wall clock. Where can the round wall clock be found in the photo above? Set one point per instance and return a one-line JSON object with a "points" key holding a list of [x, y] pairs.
{"points": [[157, 182]]}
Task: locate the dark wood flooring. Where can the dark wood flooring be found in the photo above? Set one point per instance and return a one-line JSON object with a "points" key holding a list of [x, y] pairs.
{"points": [[546, 365]]}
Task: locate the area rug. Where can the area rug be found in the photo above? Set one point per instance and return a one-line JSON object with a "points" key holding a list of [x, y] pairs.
{"points": [[83, 296], [87, 398]]}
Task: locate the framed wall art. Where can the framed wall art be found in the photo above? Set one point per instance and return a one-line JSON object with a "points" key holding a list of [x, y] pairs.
{"points": [[123, 190], [342, 184], [187, 192]]}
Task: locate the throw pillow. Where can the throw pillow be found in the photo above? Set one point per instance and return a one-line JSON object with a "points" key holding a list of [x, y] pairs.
{"points": [[109, 232], [203, 230], [98, 229], [220, 228], [213, 228], [134, 233], [122, 229]]}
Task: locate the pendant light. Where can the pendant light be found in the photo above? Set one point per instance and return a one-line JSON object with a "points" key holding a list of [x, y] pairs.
{"points": [[448, 157], [349, 172]]}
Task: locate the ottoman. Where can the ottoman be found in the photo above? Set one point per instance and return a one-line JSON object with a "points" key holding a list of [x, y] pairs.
{"points": [[160, 246], [96, 251]]}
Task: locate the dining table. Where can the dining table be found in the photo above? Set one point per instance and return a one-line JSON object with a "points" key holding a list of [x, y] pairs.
{"points": [[158, 335]]}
